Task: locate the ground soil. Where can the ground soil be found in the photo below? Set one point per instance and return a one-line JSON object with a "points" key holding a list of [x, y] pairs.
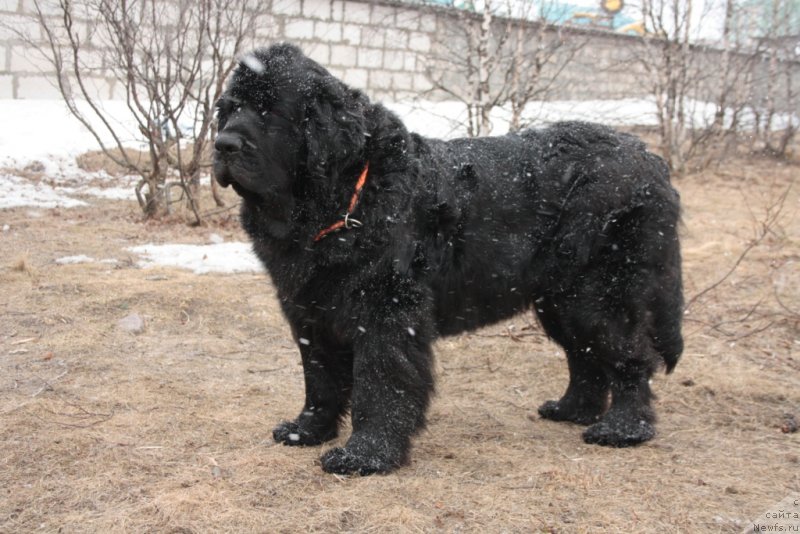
{"points": [[169, 430]]}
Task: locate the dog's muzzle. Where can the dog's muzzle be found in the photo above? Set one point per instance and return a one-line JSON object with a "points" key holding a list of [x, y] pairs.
{"points": [[227, 147]]}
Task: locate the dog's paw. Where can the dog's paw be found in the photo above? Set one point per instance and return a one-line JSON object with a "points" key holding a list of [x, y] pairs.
{"points": [[619, 432], [291, 433], [560, 411], [346, 461]]}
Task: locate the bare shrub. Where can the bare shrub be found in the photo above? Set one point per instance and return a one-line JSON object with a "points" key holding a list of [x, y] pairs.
{"points": [[710, 97], [504, 54], [168, 61]]}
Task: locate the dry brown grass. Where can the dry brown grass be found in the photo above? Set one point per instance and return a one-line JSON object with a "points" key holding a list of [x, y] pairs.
{"points": [[21, 265], [169, 430], [97, 160]]}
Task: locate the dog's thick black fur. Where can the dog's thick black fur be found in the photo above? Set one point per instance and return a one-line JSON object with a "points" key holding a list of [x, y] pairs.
{"points": [[575, 221]]}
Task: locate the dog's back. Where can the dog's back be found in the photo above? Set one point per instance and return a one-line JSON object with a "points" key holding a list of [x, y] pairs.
{"points": [[531, 215]]}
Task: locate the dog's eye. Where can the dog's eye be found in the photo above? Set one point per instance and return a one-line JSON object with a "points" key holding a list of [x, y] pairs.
{"points": [[227, 105], [222, 117]]}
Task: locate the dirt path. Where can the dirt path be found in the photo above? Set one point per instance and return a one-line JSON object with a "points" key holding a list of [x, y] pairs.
{"points": [[169, 430]]}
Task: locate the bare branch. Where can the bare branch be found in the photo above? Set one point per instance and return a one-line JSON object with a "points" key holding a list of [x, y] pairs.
{"points": [[171, 59], [498, 57], [769, 221]]}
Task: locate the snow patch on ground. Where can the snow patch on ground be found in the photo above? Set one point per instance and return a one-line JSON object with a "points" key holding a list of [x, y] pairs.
{"points": [[448, 119], [21, 192], [83, 258], [43, 136], [45, 131], [233, 257], [110, 193], [80, 258]]}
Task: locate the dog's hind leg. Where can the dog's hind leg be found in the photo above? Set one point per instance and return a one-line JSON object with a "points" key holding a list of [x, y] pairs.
{"points": [[631, 310], [586, 397], [616, 332], [625, 336], [606, 335], [630, 419]]}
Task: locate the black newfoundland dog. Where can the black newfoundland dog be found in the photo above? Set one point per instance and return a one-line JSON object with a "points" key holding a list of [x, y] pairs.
{"points": [[379, 240]]}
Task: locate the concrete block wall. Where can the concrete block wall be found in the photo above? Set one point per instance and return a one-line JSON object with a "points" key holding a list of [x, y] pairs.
{"points": [[25, 71], [380, 46], [370, 45]]}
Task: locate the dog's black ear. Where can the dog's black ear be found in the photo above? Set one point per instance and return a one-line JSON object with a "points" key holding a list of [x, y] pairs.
{"points": [[334, 127]]}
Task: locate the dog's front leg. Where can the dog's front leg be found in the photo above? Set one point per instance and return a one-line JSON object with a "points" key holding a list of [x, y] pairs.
{"points": [[392, 384], [327, 382]]}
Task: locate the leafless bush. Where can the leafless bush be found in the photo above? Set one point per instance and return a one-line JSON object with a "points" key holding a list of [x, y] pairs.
{"points": [[780, 97], [502, 55], [753, 82], [742, 77], [772, 309], [168, 61], [727, 87], [672, 73]]}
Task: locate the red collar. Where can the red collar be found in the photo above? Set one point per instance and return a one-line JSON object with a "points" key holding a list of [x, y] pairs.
{"points": [[347, 222]]}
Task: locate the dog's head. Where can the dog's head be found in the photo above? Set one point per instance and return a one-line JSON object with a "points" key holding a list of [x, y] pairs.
{"points": [[283, 120]]}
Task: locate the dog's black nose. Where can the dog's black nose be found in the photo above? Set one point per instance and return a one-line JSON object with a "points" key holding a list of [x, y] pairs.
{"points": [[228, 143]]}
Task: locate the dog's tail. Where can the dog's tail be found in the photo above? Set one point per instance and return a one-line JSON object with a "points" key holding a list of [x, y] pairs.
{"points": [[666, 298], [667, 315], [655, 281], [652, 262]]}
